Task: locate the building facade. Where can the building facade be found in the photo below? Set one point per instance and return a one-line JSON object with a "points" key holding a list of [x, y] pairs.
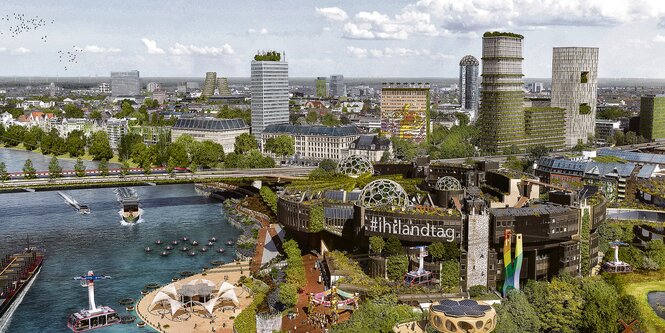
{"points": [[315, 142], [605, 129], [337, 87], [116, 128], [223, 87], [574, 85], [405, 111], [652, 117], [321, 87], [501, 114], [209, 84], [270, 94], [468, 84], [372, 147], [125, 83], [222, 131]]}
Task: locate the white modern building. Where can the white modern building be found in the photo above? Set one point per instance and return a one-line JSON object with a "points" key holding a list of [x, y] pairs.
{"points": [[270, 94], [125, 83], [337, 87], [574, 85], [116, 128], [222, 131], [66, 125], [315, 142]]}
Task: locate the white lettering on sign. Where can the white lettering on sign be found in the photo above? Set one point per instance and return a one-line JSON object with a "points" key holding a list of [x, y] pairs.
{"points": [[379, 224]]}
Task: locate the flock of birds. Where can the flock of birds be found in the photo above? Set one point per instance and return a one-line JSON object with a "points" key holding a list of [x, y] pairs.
{"points": [[20, 24]]}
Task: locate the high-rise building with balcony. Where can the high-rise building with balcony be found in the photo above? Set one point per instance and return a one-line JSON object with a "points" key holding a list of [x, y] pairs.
{"points": [[321, 87], [405, 110], [652, 117], [270, 91], [501, 113], [468, 83], [337, 87], [209, 84], [125, 83], [574, 85], [223, 87]]}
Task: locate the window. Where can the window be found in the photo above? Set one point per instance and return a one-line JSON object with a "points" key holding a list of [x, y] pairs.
{"points": [[584, 77]]}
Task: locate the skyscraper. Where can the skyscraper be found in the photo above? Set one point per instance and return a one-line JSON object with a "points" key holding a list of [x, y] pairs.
{"points": [[337, 87], [652, 117], [223, 87], [501, 114], [405, 110], [468, 83], [125, 83], [270, 91], [209, 84], [321, 87], [574, 84]]}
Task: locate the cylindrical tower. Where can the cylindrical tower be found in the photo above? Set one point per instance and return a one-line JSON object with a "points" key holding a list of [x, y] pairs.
{"points": [[468, 83], [501, 114]]}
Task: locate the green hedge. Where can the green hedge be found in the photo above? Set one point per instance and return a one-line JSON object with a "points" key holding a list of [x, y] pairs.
{"points": [[246, 320], [269, 197], [316, 218]]}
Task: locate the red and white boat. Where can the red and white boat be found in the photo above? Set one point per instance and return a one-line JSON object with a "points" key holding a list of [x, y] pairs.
{"points": [[95, 316]]}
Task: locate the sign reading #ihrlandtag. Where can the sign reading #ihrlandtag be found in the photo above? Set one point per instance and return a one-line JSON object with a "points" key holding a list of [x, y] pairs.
{"points": [[408, 228]]}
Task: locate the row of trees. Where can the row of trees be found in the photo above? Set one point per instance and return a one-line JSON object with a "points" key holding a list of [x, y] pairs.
{"points": [[295, 274]]}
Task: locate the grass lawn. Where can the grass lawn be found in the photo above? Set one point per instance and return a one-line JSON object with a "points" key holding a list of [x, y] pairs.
{"points": [[650, 320], [85, 157]]}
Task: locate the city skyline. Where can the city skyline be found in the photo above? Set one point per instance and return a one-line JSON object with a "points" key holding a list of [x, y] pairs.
{"points": [[390, 39]]}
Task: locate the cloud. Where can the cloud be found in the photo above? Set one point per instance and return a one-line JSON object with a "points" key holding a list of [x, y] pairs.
{"points": [[3, 49], [464, 16], [262, 31], [397, 52], [151, 45], [181, 49], [331, 13], [99, 49], [20, 50], [659, 39], [375, 25]]}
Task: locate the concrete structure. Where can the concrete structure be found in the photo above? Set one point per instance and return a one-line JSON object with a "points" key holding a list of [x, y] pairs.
{"points": [[574, 85], [209, 84], [606, 128], [222, 131], [337, 87], [315, 142], [116, 128], [125, 83], [501, 114], [468, 84], [270, 94], [652, 117], [405, 110], [321, 87]]}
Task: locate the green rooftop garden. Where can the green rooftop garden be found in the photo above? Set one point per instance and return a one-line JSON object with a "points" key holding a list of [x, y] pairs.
{"points": [[609, 159], [268, 56], [502, 34], [342, 182]]}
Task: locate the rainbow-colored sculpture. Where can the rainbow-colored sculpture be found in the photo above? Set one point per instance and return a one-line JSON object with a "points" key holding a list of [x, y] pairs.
{"points": [[512, 268]]}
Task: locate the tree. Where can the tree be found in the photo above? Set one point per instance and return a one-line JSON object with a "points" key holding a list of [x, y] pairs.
{"points": [[269, 197], [558, 304], [79, 168], [124, 170], [629, 308], [126, 145], [52, 143], [450, 275], [393, 246], [312, 117], [329, 119], [656, 251], [536, 152], [54, 168], [14, 135], [207, 154], [436, 250], [100, 146], [397, 266], [385, 158], [328, 165], [515, 314], [282, 145], [28, 170], [376, 244], [95, 115], [512, 150], [75, 143], [32, 138], [178, 155], [72, 111], [4, 176], [404, 149], [103, 167], [244, 143], [600, 310], [288, 294]]}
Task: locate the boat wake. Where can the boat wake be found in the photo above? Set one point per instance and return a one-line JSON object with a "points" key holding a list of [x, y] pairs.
{"points": [[122, 193], [6, 319]]}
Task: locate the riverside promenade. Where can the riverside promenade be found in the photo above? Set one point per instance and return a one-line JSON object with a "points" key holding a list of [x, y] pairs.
{"points": [[195, 319]]}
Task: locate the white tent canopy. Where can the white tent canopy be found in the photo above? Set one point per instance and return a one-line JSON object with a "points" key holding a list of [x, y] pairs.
{"points": [[224, 287], [170, 292], [161, 296], [170, 289], [231, 294]]}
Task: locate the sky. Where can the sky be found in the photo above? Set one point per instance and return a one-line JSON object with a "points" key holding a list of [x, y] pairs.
{"points": [[387, 38]]}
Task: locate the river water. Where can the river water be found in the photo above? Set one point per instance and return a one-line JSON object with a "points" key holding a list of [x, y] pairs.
{"points": [[15, 159], [99, 242]]}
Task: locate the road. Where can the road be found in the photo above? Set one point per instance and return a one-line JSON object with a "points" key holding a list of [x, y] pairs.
{"points": [[289, 172]]}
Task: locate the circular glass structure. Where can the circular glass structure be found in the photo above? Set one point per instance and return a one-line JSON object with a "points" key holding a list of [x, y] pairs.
{"points": [[448, 183], [451, 316], [355, 166], [383, 193]]}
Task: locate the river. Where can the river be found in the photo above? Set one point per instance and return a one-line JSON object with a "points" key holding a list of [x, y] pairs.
{"points": [[15, 159], [77, 243]]}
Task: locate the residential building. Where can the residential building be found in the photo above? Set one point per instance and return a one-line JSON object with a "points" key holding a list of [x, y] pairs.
{"points": [[315, 142], [25, 105], [501, 113], [64, 126], [152, 134], [270, 92], [369, 123], [574, 85], [6, 119], [222, 87], [125, 83], [152, 87], [405, 110], [116, 128], [337, 86], [209, 84], [371, 146], [321, 87], [652, 117], [222, 131], [104, 88], [605, 129], [468, 83], [544, 126]]}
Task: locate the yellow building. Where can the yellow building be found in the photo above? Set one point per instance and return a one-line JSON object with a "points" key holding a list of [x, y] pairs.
{"points": [[405, 110]]}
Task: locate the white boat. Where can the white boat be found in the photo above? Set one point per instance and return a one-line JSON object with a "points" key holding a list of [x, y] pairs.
{"points": [[81, 208]]}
